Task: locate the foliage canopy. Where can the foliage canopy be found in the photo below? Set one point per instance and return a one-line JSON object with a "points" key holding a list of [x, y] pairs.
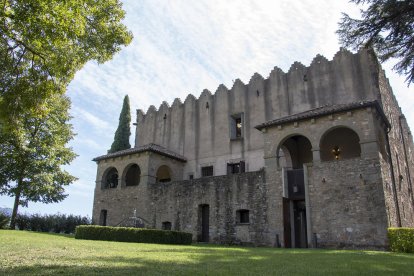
{"points": [[43, 43], [32, 155], [388, 27]]}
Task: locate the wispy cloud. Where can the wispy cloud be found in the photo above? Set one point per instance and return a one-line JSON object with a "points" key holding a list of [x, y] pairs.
{"points": [[183, 47]]}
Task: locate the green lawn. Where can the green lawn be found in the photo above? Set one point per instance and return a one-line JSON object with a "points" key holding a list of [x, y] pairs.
{"points": [[33, 253]]}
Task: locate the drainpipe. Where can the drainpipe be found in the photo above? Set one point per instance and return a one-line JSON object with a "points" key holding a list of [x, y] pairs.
{"points": [[394, 189]]}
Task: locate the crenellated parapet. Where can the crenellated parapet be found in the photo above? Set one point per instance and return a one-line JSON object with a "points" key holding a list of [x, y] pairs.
{"points": [[199, 126], [343, 56]]}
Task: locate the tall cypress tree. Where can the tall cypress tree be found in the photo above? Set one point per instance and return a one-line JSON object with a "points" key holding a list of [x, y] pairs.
{"points": [[121, 139]]}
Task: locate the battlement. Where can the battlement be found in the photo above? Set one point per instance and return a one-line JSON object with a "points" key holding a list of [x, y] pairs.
{"points": [[201, 128], [298, 73]]}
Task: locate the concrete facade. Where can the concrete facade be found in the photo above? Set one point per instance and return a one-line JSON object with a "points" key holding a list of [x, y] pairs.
{"points": [[320, 156]]}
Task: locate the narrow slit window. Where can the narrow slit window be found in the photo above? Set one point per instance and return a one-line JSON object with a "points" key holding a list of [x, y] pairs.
{"points": [[236, 126]]}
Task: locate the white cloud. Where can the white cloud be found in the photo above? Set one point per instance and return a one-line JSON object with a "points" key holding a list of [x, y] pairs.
{"points": [[183, 47]]}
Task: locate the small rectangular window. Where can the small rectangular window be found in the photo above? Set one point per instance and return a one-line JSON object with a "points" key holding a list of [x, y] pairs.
{"points": [[236, 126], [190, 176], [242, 216], [233, 168], [166, 225], [207, 171]]}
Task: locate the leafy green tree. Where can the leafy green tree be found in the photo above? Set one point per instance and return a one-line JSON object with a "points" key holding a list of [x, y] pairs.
{"points": [[43, 43], [121, 139], [32, 155], [388, 27]]}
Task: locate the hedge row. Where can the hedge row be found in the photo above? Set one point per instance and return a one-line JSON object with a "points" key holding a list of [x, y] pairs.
{"points": [[126, 234], [4, 221], [401, 239], [58, 223]]}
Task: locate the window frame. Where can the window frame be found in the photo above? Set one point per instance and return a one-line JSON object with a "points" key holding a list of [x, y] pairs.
{"points": [[241, 167], [207, 169], [236, 133], [243, 216]]}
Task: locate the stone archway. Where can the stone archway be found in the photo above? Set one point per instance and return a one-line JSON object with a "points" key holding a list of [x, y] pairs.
{"points": [[163, 174], [294, 152], [339, 143], [110, 178], [132, 175]]}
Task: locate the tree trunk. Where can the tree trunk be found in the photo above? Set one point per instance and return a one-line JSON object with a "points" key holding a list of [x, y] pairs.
{"points": [[15, 207]]}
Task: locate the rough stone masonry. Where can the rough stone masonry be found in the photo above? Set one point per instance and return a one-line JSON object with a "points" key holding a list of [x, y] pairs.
{"points": [[320, 156]]}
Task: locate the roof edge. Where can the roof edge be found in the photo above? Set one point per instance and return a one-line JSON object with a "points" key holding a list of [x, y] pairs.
{"points": [[325, 110], [145, 148]]}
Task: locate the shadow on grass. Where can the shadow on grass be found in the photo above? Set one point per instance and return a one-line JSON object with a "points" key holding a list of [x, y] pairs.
{"points": [[62, 235], [220, 260]]}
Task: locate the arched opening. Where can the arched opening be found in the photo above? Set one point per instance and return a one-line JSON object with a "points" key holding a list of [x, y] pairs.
{"points": [[163, 174], [133, 175], [294, 152], [340, 143], [110, 179]]}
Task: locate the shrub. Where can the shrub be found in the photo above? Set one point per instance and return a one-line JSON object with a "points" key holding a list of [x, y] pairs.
{"points": [[401, 239], [125, 234], [4, 221], [23, 222], [58, 223]]}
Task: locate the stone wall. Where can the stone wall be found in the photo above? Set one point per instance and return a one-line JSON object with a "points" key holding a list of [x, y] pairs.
{"points": [[347, 204], [121, 201], [199, 129], [350, 202], [399, 185], [178, 203]]}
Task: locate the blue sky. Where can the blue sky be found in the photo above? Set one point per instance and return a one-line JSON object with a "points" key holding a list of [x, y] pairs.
{"points": [[183, 47]]}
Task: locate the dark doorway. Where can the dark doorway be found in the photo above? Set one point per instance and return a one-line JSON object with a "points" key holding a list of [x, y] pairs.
{"points": [[293, 155], [294, 211], [286, 223], [102, 219], [205, 217], [299, 214]]}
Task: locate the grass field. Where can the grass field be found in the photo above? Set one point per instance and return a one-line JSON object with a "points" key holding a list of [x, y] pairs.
{"points": [[30, 253]]}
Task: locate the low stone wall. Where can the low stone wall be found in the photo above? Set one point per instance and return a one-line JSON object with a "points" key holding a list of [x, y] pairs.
{"points": [[347, 204], [178, 202]]}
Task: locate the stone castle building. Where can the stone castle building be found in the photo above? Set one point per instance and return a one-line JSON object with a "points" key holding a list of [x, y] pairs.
{"points": [[320, 156]]}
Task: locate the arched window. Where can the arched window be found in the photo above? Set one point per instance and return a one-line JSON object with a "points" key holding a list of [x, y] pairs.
{"points": [[295, 151], [163, 174], [340, 143], [133, 175], [110, 179]]}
